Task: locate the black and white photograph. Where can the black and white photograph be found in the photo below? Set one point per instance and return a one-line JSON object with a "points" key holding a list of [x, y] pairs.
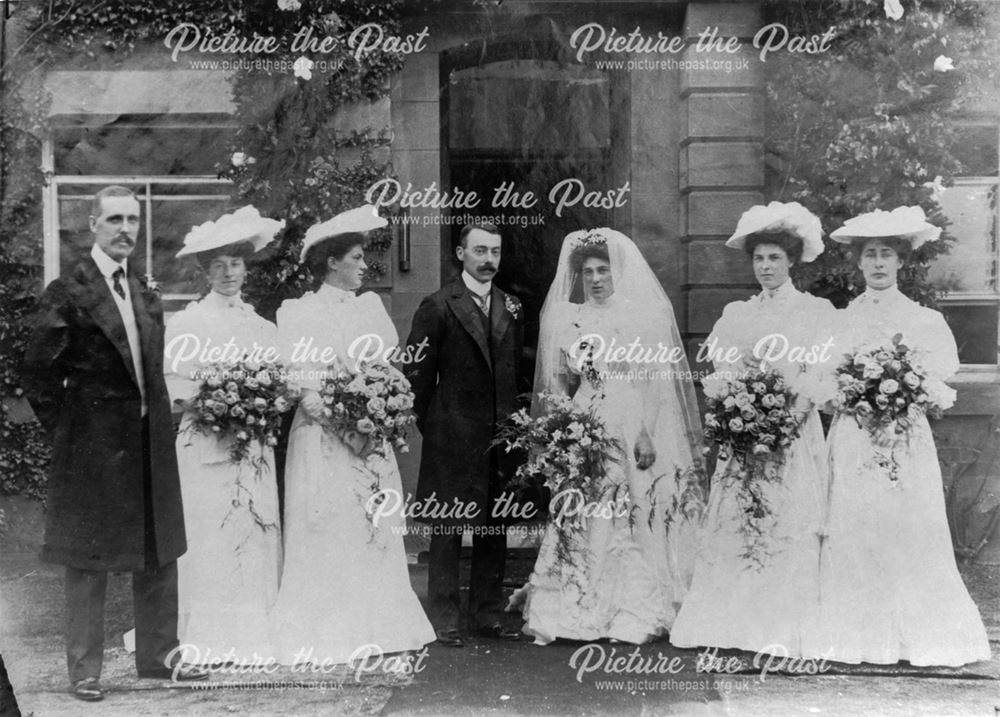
{"points": [[478, 357]]}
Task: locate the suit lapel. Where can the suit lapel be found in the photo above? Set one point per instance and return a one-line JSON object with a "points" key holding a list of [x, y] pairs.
{"points": [[499, 316], [468, 314], [100, 304], [143, 321]]}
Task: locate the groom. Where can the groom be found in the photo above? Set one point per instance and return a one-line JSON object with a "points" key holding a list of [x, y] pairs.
{"points": [[466, 383]]}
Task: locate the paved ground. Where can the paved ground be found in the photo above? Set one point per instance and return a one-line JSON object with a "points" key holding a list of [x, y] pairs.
{"points": [[482, 679]]}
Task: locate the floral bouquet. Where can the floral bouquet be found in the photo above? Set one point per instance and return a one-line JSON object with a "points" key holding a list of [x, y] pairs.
{"points": [[750, 419], [572, 448], [885, 389], [370, 408], [242, 401]]}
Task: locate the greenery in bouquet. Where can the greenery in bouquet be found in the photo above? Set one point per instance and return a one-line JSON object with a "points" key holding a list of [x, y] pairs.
{"points": [[241, 401], [370, 409], [749, 417], [885, 389], [570, 447]]}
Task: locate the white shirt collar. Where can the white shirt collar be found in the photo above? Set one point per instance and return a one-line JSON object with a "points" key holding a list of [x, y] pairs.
{"points": [[476, 287], [782, 292], [216, 300], [879, 296], [333, 294], [105, 263]]}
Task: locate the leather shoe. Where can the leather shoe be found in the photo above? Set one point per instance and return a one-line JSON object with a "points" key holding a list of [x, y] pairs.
{"points": [[498, 632], [450, 638], [181, 673], [88, 690]]}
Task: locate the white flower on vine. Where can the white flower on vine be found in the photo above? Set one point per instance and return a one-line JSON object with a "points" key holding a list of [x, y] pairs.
{"points": [[893, 9], [289, 6], [238, 159], [303, 68], [937, 188], [943, 63]]}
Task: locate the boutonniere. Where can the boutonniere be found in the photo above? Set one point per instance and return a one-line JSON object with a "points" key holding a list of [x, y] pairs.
{"points": [[513, 305]]}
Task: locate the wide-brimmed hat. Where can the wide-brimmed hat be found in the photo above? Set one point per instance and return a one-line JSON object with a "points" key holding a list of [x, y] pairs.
{"points": [[244, 225], [909, 223], [790, 217], [362, 219]]}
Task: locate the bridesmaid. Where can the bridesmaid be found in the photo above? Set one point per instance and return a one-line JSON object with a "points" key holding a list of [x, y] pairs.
{"points": [[890, 588], [768, 603], [345, 587], [228, 579]]}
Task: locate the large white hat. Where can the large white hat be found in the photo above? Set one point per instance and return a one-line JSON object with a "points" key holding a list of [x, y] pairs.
{"points": [[909, 223], [789, 217], [362, 219], [244, 225]]}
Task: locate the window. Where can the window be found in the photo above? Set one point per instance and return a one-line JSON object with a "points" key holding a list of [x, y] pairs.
{"points": [[969, 272], [170, 165]]}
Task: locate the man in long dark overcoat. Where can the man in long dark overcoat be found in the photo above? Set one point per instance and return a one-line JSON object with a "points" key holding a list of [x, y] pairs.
{"points": [[465, 383], [93, 372]]}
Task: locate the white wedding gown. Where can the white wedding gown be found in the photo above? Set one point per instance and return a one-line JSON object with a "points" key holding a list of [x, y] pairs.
{"points": [[625, 575], [228, 578], [890, 588], [345, 583]]}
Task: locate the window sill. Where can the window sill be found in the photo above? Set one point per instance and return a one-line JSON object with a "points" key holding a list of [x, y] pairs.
{"points": [[978, 391]]}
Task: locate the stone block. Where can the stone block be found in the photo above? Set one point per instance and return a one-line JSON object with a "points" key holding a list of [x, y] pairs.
{"points": [[726, 114], [722, 164], [715, 213]]}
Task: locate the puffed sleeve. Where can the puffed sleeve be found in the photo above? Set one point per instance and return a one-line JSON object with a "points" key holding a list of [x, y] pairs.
{"points": [[937, 354], [294, 331], [817, 381], [181, 349], [725, 337]]}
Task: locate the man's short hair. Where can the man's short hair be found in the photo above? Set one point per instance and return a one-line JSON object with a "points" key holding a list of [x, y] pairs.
{"points": [[114, 190], [487, 227]]}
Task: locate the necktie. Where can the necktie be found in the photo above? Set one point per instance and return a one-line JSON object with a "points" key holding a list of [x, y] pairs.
{"points": [[118, 274], [483, 303]]}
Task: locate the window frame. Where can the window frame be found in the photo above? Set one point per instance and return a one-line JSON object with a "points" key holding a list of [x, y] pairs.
{"points": [[50, 199], [981, 298]]}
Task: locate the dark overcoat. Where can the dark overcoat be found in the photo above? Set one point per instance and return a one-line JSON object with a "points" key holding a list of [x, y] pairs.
{"points": [[464, 384], [80, 380]]}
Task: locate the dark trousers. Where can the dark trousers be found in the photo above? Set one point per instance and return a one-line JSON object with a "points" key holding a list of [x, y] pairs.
{"points": [[154, 601], [486, 600], [154, 595]]}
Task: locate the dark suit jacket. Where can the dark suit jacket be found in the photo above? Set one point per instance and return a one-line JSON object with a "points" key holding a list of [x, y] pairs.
{"points": [[80, 380], [463, 390]]}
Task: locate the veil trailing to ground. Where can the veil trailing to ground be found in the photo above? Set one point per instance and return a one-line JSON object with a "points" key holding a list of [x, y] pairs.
{"points": [[647, 343]]}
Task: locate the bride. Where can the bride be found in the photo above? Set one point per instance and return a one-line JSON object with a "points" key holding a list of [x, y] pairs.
{"points": [[345, 583], [623, 576]]}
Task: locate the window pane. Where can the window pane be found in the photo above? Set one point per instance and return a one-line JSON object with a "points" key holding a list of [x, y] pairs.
{"points": [[978, 150], [137, 150], [529, 105], [975, 329], [971, 266], [172, 220]]}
